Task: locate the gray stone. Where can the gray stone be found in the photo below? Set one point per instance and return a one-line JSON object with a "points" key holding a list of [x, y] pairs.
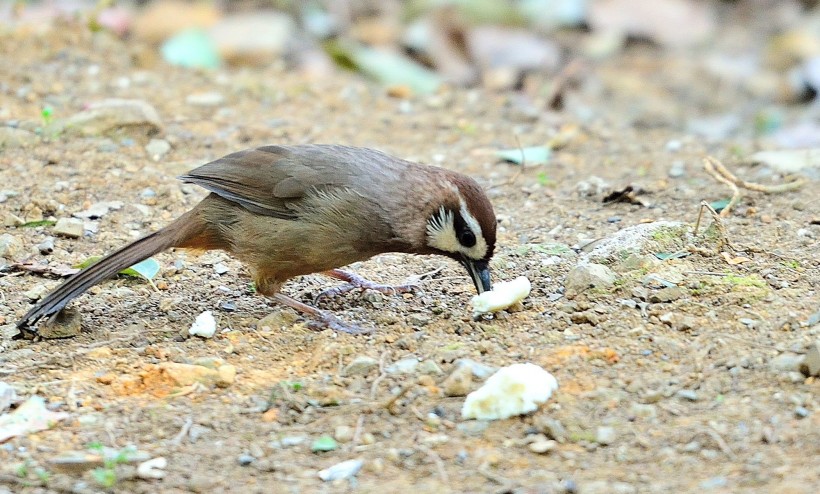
{"points": [[687, 394], [542, 445], [46, 246], [111, 115], [479, 370], [787, 362], [404, 366], [418, 320], [605, 435], [344, 433], [430, 367], [811, 364], [667, 294], [98, 210], [553, 428], [12, 138], [157, 148], [36, 292], [69, 227], [586, 276], [360, 366], [10, 246]]}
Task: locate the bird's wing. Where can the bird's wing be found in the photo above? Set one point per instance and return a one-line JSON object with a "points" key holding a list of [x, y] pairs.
{"points": [[271, 180]]}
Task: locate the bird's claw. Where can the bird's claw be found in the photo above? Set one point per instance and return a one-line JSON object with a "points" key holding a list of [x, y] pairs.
{"points": [[365, 285]]}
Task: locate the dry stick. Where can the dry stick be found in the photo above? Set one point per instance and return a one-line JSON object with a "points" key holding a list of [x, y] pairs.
{"points": [[438, 462], [724, 446], [720, 173], [718, 222], [186, 427], [382, 375]]}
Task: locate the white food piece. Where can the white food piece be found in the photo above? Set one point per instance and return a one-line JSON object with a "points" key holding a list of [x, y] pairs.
{"points": [[513, 390], [204, 325], [503, 295]]}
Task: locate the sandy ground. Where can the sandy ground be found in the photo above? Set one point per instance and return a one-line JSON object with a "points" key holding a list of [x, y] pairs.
{"points": [[680, 396]]}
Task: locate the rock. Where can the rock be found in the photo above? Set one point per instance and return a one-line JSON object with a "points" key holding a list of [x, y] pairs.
{"points": [[592, 186], [211, 98], [343, 470], [8, 396], [552, 428], [787, 161], [227, 375], [643, 411], [687, 394], [98, 210], [360, 366], [787, 362], [157, 148], [10, 246], [13, 138], [667, 294], [344, 433], [36, 292], [459, 382], [541, 445], [8, 331], [429, 367], [513, 390], [245, 459], [187, 374], [69, 227], [404, 366], [46, 246], [605, 435], [586, 276], [220, 268], [11, 219], [110, 115], [479, 370], [67, 324], [253, 38], [418, 320], [811, 364]]}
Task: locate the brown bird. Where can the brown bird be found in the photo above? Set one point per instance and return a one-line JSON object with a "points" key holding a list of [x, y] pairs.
{"points": [[287, 211]]}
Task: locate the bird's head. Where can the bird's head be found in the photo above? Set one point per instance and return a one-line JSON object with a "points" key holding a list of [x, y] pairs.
{"points": [[462, 226]]}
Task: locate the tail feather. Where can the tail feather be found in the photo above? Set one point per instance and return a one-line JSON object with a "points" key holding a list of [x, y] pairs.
{"points": [[177, 234]]}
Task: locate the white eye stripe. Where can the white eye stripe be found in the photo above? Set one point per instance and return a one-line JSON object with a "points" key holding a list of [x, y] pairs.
{"points": [[441, 233]]}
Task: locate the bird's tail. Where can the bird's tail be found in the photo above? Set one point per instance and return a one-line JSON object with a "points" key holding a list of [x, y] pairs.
{"points": [[181, 233]]}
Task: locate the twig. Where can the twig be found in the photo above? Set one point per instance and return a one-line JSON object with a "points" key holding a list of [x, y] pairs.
{"points": [[186, 427], [720, 173], [382, 376], [724, 446], [442, 472], [358, 432]]}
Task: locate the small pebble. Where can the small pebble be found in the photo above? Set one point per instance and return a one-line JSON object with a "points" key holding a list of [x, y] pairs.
{"points": [[404, 366], [228, 306], [542, 445], [605, 435], [613, 219], [360, 366], [69, 227], [220, 268], [157, 148], [801, 412], [459, 382], [245, 460], [344, 433], [343, 470], [46, 246], [687, 394]]}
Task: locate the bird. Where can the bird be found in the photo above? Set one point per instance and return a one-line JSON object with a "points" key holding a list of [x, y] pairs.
{"points": [[292, 210]]}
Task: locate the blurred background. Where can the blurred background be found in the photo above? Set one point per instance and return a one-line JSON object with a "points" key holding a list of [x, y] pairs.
{"points": [[743, 68]]}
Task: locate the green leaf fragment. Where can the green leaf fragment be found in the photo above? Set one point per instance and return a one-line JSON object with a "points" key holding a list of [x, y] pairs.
{"points": [[35, 224], [146, 269], [665, 256], [324, 443], [719, 206]]}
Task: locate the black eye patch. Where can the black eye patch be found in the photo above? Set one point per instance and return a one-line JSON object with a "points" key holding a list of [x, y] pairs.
{"points": [[465, 236]]}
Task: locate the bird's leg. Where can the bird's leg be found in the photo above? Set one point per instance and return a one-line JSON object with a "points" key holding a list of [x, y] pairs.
{"points": [[324, 319], [355, 281]]}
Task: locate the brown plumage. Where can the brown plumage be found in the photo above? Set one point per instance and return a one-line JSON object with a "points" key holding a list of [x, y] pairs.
{"points": [[287, 211]]}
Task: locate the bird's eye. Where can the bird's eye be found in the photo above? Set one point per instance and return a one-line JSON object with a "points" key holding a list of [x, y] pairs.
{"points": [[466, 238]]}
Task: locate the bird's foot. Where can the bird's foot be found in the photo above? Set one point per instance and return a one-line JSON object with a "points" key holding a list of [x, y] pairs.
{"points": [[355, 282], [321, 319], [326, 320]]}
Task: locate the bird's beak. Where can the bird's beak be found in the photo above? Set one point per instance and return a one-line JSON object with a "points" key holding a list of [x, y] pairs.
{"points": [[479, 272]]}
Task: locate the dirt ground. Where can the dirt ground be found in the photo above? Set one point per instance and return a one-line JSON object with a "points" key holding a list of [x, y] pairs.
{"points": [[677, 396]]}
